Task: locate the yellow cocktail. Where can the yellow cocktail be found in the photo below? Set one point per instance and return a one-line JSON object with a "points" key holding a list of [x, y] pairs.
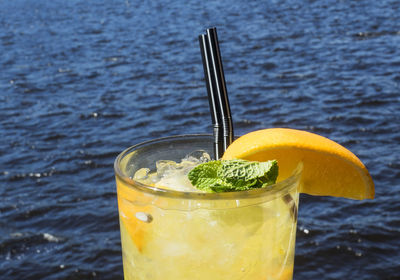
{"points": [[169, 234]]}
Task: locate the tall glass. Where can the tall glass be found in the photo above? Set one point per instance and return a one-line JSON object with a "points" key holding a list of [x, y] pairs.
{"points": [[176, 235]]}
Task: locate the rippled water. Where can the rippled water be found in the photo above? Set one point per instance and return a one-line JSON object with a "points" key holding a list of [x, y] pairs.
{"points": [[80, 81]]}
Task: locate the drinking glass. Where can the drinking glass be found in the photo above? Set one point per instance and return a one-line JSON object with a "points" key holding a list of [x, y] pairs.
{"points": [[168, 234]]}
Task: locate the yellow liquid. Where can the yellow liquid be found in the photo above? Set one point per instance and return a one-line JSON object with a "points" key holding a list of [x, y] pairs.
{"points": [[220, 239]]}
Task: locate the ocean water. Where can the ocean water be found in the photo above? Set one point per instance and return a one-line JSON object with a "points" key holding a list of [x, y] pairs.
{"points": [[82, 80]]}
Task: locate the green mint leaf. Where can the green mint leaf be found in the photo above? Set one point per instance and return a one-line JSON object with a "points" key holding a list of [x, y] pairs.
{"points": [[241, 185], [248, 170], [205, 177], [233, 175]]}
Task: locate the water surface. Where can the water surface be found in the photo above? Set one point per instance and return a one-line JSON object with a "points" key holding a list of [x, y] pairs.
{"points": [[80, 81]]}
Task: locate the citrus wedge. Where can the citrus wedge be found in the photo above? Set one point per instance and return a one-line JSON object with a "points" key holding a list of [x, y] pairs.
{"points": [[136, 228], [329, 168]]}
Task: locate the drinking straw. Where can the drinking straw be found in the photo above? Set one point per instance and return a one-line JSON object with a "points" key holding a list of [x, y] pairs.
{"points": [[217, 93], [212, 97], [218, 98], [220, 87]]}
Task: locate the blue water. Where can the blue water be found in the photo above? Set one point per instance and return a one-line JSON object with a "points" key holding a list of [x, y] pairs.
{"points": [[82, 80]]}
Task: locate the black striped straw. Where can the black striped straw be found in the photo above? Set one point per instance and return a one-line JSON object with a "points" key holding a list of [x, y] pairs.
{"points": [[217, 93]]}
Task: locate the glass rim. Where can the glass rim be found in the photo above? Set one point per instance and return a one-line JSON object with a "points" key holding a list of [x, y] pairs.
{"points": [[279, 188]]}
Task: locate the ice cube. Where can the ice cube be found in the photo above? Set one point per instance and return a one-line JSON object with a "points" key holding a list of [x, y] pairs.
{"points": [[144, 176], [172, 175], [141, 174], [198, 156], [177, 181], [163, 166]]}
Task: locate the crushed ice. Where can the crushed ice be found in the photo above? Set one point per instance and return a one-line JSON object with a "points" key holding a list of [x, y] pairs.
{"points": [[172, 175]]}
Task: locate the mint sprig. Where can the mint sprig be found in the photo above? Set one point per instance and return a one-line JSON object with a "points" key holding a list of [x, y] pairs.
{"points": [[233, 175]]}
